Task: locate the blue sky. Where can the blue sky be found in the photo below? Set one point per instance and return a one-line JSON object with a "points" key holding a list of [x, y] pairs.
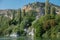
{"points": [[15, 4]]}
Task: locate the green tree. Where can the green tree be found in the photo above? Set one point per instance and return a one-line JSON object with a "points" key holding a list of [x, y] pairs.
{"points": [[23, 13], [53, 10], [47, 7], [19, 16]]}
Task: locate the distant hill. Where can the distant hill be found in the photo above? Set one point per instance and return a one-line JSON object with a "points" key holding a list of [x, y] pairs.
{"points": [[35, 5], [7, 13], [39, 7]]}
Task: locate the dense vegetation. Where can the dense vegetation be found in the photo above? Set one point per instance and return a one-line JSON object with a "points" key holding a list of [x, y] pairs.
{"points": [[46, 27], [17, 24]]}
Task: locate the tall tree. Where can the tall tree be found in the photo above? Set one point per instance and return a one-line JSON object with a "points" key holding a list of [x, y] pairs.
{"points": [[47, 7], [14, 14], [19, 16], [23, 13], [53, 10]]}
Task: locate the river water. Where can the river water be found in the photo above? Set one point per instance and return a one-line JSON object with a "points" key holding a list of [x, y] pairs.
{"points": [[14, 38]]}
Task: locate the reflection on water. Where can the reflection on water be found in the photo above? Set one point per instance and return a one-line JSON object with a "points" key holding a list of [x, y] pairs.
{"points": [[12, 38]]}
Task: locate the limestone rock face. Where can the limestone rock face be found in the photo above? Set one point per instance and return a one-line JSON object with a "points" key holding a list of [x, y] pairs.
{"points": [[39, 7], [7, 13]]}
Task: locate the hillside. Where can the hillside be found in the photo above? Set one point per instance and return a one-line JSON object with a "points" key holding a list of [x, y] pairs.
{"points": [[38, 6], [7, 13], [35, 21]]}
